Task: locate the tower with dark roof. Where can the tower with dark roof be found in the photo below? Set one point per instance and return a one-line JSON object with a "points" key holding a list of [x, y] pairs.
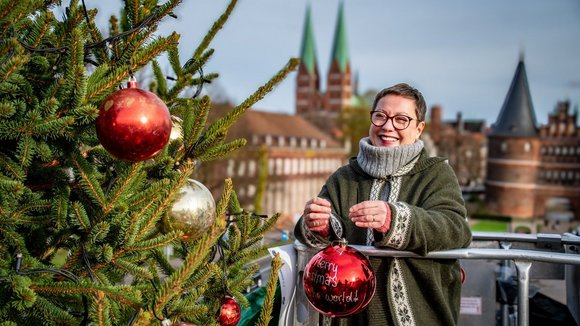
{"points": [[308, 95], [513, 152]]}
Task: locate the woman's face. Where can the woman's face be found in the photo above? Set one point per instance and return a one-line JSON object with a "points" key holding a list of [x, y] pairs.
{"points": [[392, 105]]}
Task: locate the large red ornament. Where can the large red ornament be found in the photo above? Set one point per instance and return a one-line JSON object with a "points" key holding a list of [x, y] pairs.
{"points": [[133, 124], [230, 312], [339, 281]]}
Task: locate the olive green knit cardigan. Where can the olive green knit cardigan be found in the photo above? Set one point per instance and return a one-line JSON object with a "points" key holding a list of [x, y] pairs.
{"points": [[428, 214]]}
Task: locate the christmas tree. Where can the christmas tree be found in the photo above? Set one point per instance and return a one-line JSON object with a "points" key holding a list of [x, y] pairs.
{"points": [[92, 174]]}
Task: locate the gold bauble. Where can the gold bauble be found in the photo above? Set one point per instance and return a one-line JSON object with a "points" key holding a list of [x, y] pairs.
{"points": [[193, 212]]}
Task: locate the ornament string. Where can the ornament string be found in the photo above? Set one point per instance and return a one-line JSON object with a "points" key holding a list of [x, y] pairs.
{"points": [[143, 24], [87, 262], [55, 271]]}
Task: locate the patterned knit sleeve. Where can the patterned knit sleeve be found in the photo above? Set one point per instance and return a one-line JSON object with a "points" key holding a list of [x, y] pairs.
{"points": [[313, 239], [429, 213]]}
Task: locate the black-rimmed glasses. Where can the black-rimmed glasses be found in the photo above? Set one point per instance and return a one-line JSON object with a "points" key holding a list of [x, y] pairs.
{"points": [[400, 122]]}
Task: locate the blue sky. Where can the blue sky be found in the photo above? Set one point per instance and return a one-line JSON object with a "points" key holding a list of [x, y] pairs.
{"points": [[460, 54]]}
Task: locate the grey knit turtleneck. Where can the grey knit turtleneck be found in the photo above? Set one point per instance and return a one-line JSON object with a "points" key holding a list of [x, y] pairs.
{"points": [[381, 162]]}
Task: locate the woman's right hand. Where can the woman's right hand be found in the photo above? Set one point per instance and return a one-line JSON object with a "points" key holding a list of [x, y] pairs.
{"points": [[317, 215]]}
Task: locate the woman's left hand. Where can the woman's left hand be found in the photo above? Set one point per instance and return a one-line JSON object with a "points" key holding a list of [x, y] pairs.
{"points": [[374, 214]]}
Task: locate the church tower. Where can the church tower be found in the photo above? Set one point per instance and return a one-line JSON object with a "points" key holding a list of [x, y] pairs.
{"points": [[308, 97], [514, 152], [339, 81]]}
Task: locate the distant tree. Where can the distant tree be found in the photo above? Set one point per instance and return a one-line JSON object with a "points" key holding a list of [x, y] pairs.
{"points": [[354, 120]]}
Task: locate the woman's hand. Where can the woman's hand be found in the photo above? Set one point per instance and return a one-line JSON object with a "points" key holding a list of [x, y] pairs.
{"points": [[317, 215], [373, 214]]}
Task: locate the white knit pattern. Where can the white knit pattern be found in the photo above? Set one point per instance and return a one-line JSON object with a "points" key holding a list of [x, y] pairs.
{"points": [[403, 313]]}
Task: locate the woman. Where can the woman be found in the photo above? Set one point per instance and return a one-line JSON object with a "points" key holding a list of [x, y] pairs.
{"points": [[393, 195]]}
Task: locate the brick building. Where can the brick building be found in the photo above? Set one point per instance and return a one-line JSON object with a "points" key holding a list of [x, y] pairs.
{"points": [[533, 172], [299, 157], [463, 142]]}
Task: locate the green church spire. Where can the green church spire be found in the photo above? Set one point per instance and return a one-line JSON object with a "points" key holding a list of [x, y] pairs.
{"points": [[308, 50], [340, 45]]}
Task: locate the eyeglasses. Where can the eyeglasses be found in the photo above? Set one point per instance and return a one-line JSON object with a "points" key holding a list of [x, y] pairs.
{"points": [[400, 122]]}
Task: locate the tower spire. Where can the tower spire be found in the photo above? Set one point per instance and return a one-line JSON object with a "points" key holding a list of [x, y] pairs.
{"points": [[308, 48], [517, 117], [340, 44]]}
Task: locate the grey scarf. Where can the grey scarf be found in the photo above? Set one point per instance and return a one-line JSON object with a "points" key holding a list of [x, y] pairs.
{"points": [[381, 162]]}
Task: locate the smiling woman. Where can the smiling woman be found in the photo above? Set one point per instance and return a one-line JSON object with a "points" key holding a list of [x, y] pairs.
{"points": [[394, 195]]}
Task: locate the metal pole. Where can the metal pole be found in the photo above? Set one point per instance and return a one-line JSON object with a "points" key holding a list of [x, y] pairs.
{"points": [[523, 268]]}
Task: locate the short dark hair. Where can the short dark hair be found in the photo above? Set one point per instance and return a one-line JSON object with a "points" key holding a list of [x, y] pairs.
{"points": [[405, 90]]}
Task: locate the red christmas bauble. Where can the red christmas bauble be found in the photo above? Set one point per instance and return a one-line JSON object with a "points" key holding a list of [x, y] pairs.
{"points": [[133, 124], [339, 281], [230, 312]]}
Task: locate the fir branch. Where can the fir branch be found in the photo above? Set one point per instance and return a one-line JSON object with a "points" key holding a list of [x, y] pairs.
{"points": [[206, 142], [217, 25], [14, 239], [155, 243], [54, 313], [198, 280], [224, 201], [193, 124], [12, 65], [267, 225], [173, 285], [132, 268], [81, 216], [144, 202], [88, 182], [100, 309], [219, 151], [7, 109], [266, 312], [60, 206], [147, 53], [123, 294], [166, 202], [11, 167], [125, 184], [98, 232], [161, 84], [173, 58], [195, 63], [40, 27], [99, 89], [231, 117]]}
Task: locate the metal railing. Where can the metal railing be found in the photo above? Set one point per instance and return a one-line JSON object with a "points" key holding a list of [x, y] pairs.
{"points": [[522, 249]]}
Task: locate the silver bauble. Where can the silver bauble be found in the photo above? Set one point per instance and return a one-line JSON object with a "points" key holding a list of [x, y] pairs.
{"points": [[193, 212]]}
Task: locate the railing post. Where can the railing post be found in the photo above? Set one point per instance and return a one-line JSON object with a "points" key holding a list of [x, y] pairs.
{"points": [[523, 268]]}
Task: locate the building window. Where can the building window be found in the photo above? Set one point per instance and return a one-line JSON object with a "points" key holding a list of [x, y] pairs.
{"points": [[251, 190], [542, 150], [242, 168], [287, 166], [281, 142], [292, 141], [251, 168], [303, 142], [504, 147], [230, 168], [313, 143], [279, 166], [271, 166], [527, 147], [557, 150], [268, 140]]}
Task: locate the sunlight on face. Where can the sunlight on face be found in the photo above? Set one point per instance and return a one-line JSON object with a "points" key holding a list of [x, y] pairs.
{"points": [[387, 135]]}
